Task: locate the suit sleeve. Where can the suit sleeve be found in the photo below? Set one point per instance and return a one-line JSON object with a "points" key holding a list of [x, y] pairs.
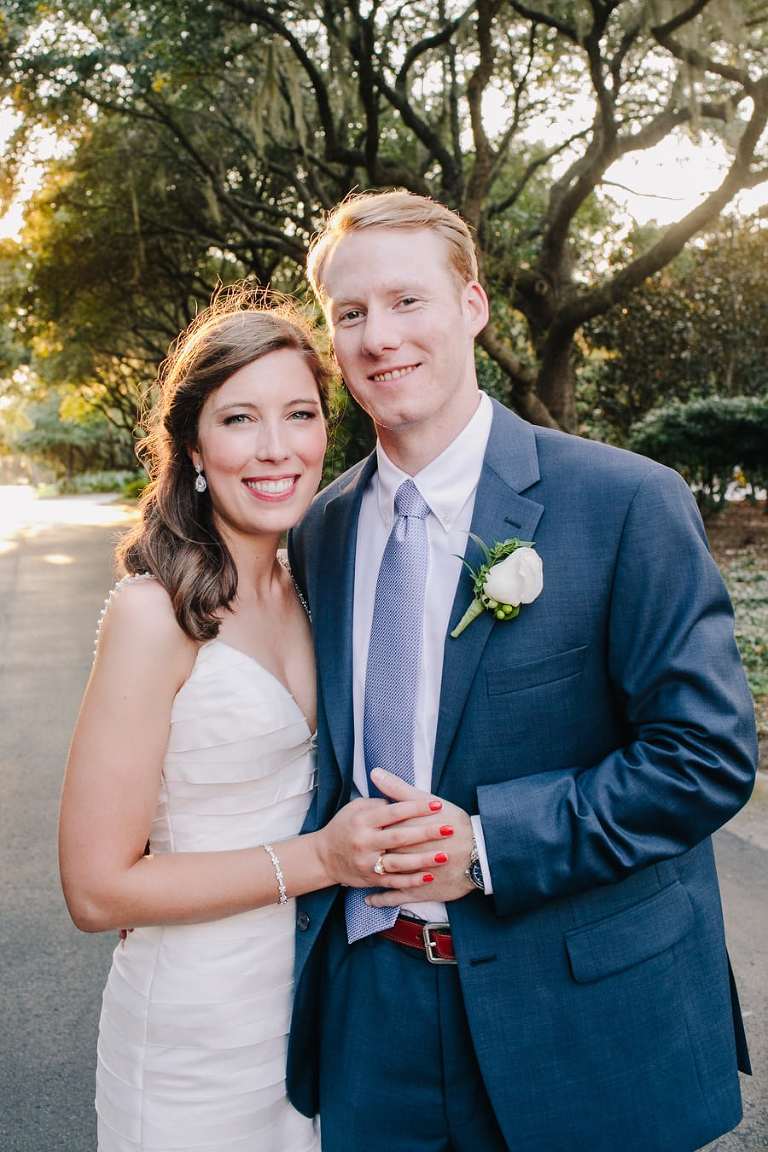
{"points": [[690, 764]]}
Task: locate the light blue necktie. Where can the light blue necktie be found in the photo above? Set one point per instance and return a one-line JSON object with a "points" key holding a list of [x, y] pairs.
{"points": [[392, 672]]}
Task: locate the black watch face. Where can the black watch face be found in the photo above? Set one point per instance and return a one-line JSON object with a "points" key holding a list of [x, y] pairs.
{"points": [[476, 875]]}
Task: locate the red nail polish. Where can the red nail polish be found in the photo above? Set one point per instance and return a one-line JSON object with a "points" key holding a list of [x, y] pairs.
{"points": [[427, 878], [435, 805], [441, 858], [446, 830]]}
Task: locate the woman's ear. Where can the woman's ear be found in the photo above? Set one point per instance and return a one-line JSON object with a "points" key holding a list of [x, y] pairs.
{"points": [[195, 457]]}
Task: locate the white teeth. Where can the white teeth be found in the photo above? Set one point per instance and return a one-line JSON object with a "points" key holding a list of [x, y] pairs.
{"points": [[380, 377], [271, 487]]}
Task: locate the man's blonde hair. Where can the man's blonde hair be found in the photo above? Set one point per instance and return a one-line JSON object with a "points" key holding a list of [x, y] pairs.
{"points": [[397, 208]]}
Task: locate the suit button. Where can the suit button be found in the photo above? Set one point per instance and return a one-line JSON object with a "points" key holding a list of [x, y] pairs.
{"points": [[302, 922]]}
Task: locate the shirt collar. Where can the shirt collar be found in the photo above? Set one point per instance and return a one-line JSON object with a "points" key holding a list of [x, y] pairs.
{"points": [[448, 481]]}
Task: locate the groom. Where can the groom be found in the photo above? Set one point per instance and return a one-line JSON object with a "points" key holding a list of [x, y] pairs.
{"points": [[577, 993]]}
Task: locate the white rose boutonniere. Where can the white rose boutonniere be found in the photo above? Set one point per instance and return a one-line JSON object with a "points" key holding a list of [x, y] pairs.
{"points": [[511, 575]]}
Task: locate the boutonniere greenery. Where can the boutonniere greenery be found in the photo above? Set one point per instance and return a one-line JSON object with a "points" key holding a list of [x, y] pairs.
{"points": [[511, 575]]}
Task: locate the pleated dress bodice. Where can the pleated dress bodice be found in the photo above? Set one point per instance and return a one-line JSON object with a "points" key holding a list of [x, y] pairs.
{"points": [[195, 1017]]}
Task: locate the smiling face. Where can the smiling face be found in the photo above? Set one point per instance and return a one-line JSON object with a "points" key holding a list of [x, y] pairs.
{"points": [[261, 441], [403, 333]]}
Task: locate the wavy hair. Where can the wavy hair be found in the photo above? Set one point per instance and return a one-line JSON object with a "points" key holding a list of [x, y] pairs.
{"points": [[176, 539]]}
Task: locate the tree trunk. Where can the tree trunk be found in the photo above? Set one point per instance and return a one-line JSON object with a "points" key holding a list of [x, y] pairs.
{"points": [[556, 384]]}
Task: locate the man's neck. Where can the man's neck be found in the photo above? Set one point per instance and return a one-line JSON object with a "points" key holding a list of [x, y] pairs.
{"points": [[413, 447]]}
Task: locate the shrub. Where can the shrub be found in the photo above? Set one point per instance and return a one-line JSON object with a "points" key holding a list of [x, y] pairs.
{"points": [[134, 487], [107, 480], [708, 440]]}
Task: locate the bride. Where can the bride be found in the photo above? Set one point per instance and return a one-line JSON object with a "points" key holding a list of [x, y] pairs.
{"points": [[196, 736]]}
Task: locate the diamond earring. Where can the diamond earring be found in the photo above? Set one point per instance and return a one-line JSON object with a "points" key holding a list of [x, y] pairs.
{"points": [[200, 483]]}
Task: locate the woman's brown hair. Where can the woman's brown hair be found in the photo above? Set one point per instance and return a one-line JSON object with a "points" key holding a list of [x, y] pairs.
{"points": [[176, 539]]}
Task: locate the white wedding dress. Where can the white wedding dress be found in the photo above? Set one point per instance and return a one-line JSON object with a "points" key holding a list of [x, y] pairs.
{"points": [[194, 1023]]}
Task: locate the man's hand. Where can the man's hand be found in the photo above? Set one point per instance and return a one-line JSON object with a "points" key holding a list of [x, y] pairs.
{"points": [[366, 831], [449, 881]]}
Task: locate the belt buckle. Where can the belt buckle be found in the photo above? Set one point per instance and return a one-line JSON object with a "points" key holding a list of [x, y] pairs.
{"points": [[430, 945]]}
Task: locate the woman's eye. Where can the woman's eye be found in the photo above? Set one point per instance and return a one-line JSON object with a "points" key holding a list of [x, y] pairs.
{"points": [[351, 315], [409, 300], [303, 414], [238, 418]]}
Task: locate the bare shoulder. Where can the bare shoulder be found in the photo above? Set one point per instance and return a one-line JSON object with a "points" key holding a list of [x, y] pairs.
{"points": [[140, 602], [139, 625]]}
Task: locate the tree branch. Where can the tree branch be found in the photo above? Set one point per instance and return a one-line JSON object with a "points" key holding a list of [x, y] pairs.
{"points": [[517, 96], [362, 48], [260, 14], [531, 169], [477, 186], [594, 56], [682, 18], [523, 382], [425, 133], [569, 193], [694, 58], [545, 18], [755, 178], [660, 126], [627, 40], [675, 237], [435, 41]]}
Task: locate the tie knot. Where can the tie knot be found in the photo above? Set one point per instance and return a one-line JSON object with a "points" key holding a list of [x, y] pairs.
{"points": [[410, 502]]}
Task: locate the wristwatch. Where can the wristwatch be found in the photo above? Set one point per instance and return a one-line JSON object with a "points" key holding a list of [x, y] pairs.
{"points": [[474, 871]]}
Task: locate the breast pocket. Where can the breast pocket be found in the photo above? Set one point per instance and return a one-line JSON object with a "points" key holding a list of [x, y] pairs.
{"points": [[503, 680]]}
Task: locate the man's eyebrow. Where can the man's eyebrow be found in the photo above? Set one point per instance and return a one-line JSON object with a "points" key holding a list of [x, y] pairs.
{"points": [[341, 302], [396, 288]]}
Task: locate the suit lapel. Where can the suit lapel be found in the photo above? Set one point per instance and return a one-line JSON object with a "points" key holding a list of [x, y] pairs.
{"points": [[333, 620], [510, 466]]}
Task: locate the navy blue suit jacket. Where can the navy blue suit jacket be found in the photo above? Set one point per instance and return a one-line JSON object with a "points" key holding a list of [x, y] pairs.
{"points": [[603, 735]]}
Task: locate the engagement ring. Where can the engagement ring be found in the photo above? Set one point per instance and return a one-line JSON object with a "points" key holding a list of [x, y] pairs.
{"points": [[379, 866]]}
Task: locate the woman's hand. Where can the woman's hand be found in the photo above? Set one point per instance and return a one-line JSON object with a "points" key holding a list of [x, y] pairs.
{"points": [[366, 830], [448, 880]]}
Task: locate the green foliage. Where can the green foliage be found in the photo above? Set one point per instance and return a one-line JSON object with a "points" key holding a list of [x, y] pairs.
{"points": [[202, 140], [747, 581], [13, 353], [698, 328], [68, 447], [707, 440], [107, 480], [350, 436], [134, 486]]}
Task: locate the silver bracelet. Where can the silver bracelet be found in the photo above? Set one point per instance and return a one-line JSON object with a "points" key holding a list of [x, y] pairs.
{"points": [[282, 894]]}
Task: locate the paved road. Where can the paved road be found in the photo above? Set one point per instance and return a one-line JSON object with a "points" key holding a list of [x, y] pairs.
{"points": [[52, 582], [53, 579]]}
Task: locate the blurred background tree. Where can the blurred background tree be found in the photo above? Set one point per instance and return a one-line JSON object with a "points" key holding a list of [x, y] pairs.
{"points": [[205, 138], [699, 328]]}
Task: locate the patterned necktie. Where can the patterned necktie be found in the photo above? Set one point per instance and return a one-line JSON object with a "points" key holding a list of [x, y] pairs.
{"points": [[392, 672]]}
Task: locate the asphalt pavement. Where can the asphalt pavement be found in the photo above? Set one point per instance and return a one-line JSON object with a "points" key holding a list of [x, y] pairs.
{"points": [[55, 571], [53, 579]]}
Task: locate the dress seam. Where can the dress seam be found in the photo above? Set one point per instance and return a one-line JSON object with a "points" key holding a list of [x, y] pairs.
{"points": [[145, 1043]]}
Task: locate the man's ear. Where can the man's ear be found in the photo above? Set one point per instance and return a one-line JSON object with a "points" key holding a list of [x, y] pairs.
{"points": [[475, 305]]}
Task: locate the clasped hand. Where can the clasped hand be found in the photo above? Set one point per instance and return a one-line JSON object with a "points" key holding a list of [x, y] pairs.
{"points": [[423, 842]]}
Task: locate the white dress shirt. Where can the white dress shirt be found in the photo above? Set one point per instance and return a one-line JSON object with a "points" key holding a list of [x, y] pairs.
{"points": [[448, 484]]}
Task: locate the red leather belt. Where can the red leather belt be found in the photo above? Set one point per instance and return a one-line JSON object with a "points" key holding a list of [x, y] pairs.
{"points": [[434, 940]]}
